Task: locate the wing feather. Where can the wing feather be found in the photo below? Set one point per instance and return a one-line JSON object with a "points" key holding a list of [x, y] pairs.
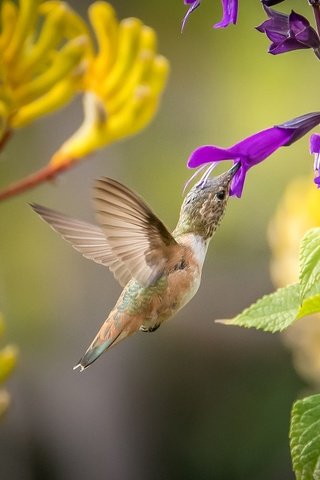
{"points": [[135, 234], [87, 239]]}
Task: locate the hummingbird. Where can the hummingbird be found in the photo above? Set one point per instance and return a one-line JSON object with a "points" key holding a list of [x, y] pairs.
{"points": [[159, 271]]}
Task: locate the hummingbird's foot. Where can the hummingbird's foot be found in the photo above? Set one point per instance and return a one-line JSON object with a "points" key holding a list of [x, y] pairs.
{"points": [[78, 366], [149, 329]]}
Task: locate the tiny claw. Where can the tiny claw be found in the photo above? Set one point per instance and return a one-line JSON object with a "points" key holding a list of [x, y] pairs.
{"points": [[78, 366]]}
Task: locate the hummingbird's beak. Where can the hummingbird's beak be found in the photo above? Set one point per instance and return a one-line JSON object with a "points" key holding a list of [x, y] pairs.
{"points": [[233, 170]]}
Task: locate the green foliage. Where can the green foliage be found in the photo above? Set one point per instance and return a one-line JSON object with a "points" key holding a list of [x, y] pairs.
{"points": [[305, 438], [310, 264], [275, 312], [271, 313]]}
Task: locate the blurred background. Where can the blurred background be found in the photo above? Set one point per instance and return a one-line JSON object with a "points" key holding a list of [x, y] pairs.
{"points": [[195, 400]]}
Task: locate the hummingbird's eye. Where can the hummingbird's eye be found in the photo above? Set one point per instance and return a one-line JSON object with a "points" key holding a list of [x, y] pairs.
{"points": [[221, 195]]}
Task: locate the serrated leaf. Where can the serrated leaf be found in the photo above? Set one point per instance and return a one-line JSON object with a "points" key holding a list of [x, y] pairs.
{"points": [[271, 313], [305, 438], [310, 264], [310, 305]]}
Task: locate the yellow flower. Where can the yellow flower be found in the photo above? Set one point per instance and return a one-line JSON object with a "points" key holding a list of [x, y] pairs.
{"points": [[122, 83], [297, 212], [8, 359], [41, 47], [48, 54]]}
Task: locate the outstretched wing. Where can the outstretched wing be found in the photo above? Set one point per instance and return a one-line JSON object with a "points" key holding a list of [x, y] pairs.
{"points": [[88, 239], [134, 233]]}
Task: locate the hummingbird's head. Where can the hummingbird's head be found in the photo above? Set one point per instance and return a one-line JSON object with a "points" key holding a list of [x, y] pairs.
{"points": [[205, 204]]}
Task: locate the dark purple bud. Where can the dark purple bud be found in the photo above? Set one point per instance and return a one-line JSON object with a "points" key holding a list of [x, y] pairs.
{"points": [[288, 32], [300, 126]]}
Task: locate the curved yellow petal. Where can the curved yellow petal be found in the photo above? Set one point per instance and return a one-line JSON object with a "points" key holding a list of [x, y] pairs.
{"points": [[49, 38], [28, 10], [73, 26], [129, 32], [105, 25], [62, 65], [58, 96], [9, 15], [89, 136]]}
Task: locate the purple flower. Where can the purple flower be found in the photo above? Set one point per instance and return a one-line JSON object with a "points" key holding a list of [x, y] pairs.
{"points": [[288, 32], [254, 149], [230, 12], [315, 148]]}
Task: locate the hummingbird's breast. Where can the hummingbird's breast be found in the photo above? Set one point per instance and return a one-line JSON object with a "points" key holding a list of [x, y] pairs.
{"points": [[148, 307], [174, 290]]}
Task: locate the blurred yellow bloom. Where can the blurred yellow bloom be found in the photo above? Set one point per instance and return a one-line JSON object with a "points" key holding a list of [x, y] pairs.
{"points": [[8, 359], [48, 54], [297, 212], [41, 48], [122, 83]]}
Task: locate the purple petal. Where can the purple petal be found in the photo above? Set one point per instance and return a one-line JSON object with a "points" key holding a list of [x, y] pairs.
{"points": [[257, 147], [286, 46], [300, 28], [297, 22], [230, 13], [315, 143], [315, 148], [278, 22], [237, 183], [208, 154], [194, 4], [309, 38], [276, 37]]}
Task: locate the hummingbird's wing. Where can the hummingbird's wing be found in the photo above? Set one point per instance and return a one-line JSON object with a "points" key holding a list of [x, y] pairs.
{"points": [[135, 234], [88, 239]]}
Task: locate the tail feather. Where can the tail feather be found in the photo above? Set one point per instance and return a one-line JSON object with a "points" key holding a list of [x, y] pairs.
{"points": [[112, 331]]}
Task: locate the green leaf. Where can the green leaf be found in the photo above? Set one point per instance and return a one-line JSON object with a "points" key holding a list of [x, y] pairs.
{"points": [[310, 264], [305, 438], [271, 313], [309, 306]]}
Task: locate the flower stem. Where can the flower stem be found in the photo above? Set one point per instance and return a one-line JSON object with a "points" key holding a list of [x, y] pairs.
{"points": [[49, 172], [316, 12], [6, 136]]}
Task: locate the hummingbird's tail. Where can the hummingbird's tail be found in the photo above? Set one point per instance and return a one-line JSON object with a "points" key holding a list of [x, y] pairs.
{"points": [[117, 327]]}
